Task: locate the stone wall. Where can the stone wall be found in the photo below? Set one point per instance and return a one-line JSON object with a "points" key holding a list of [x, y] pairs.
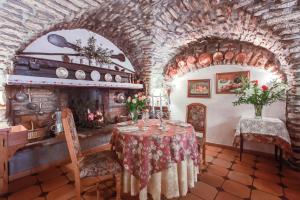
{"points": [[151, 32]]}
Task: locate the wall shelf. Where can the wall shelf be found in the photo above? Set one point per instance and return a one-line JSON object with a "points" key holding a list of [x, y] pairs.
{"points": [[46, 81]]}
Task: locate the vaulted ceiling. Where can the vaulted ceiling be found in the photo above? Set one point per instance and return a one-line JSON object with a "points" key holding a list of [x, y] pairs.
{"points": [[151, 32]]}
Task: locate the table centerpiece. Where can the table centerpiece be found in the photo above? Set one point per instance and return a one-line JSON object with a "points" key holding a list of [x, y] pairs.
{"points": [[136, 104]]}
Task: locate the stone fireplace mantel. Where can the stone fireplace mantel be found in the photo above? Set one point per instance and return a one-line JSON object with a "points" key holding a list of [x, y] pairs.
{"points": [[46, 81]]}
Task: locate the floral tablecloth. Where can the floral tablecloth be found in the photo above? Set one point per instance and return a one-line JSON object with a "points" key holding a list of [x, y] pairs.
{"points": [[146, 152], [264, 130]]}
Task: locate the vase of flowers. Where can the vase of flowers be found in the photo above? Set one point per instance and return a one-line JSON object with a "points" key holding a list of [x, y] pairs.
{"points": [[134, 115], [259, 96], [258, 110], [135, 105]]}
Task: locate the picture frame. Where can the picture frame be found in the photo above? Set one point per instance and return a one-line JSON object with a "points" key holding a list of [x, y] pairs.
{"points": [[227, 82], [199, 88]]}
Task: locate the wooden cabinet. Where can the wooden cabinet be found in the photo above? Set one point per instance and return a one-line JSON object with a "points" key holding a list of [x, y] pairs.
{"points": [[11, 139]]}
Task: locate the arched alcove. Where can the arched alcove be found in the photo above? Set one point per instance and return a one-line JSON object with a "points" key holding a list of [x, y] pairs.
{"points": [[212, 52], [220, 112]]}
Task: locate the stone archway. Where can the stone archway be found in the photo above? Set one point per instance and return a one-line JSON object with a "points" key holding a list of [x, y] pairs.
{"points": [[151, 32], [201, 54]]}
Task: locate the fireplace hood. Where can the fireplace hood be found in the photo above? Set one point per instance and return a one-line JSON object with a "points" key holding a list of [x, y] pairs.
{"points": [[46, 81]]}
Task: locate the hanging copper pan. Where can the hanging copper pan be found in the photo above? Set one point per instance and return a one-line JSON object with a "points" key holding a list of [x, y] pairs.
{"points": [[248, 57], [254, 59], [177, 59], [183, 65], [205, 58], [172, 71], [191, 62], [262, 61], [228, 55], [218, 56], [177, 67], [240, 57], [168, 70]]}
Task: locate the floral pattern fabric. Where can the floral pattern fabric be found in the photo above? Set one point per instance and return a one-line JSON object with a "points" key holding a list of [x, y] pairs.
{"points": [[196, 114], [144, 153], [99, 164], [265, 130]]}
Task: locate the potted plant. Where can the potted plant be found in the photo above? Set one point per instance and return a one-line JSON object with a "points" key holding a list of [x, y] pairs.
{"points": [[251, 93], [135, 105]]}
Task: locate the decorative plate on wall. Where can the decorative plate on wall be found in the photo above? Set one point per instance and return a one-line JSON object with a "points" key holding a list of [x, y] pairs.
{"points": [[80, 75], [108, 77], [62, 72], [119, 97], [118, 78], [95, 75]]}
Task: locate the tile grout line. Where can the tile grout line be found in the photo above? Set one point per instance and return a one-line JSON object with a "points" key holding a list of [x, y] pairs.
{"points": [[211, 164], [281, 182], [254, 170], [222, 177], [259, 165]]}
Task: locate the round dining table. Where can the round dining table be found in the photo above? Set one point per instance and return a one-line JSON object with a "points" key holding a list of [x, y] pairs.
{"points": [[157, 160]]}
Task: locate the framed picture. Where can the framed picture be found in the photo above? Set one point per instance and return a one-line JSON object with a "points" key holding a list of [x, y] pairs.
{"points": [[227, 82], [199, 88]]}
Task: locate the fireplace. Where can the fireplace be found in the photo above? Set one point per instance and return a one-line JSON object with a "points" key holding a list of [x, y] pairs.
{"points": [[93, 108], [95, 104], [96, 108]]}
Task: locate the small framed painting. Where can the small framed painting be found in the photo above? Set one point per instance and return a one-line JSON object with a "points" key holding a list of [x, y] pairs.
{"points": [[199, 88], [227, 82]]}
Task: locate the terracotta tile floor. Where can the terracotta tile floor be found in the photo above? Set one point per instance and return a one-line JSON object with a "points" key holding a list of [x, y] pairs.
{"points": [[223, 178]]}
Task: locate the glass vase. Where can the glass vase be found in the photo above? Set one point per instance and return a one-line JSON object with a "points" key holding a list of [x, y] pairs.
{"points": [[134, 116], [258, 111]]}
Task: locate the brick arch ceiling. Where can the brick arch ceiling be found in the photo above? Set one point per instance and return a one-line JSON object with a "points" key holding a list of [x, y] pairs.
{"points": [[22, 21], [269, 24], [150, 32]]}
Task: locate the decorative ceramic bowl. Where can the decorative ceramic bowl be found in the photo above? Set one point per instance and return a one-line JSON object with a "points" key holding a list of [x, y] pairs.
{"points": [[118, 78], [62, 72], [95, 75], [80, 75], [108, 77]]}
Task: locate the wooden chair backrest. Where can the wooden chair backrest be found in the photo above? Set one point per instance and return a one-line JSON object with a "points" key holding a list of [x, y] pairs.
{"points": [[71, 137], [196, 116]]}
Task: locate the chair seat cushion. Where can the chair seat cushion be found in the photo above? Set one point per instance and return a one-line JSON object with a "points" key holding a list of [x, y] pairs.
{"points": [[99, 164]]}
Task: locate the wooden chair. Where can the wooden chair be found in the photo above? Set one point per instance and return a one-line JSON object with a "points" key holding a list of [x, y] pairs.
{"points": [[196, 115], [90, 164]]}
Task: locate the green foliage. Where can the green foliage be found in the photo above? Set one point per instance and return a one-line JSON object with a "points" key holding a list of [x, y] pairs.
{"points": [[136, 103], [91, 51], [251, 93]]}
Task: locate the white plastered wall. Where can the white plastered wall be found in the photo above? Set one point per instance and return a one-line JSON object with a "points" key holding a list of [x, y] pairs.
{"points": [[222, 116]]}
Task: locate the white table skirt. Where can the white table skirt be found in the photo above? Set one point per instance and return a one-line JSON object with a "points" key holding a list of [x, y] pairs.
{"points": [[172, 182]]}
